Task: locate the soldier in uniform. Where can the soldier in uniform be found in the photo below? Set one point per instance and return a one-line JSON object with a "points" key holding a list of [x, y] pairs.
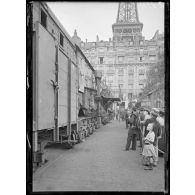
{"points": [[132, 133]]}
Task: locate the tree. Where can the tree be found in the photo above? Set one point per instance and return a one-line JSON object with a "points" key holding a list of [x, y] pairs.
{"points": [[155, 77]]}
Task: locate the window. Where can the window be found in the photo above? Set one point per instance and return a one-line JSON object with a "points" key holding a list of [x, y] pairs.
{"points": [[101, 49], [140, 58], [141, 50], [43, 19], [121, 86], [131, 59], [110, 80], [152, 57], [158, 104], [141, 72], [131, 72], [130, 86], [130, 82], [101, 60], [141, 85], [61, 40], [110, 71], [120, 58], [121, 71], [120, 77], [120, 81], [130, 95]]}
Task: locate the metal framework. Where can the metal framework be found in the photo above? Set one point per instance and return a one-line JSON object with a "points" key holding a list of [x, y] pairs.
{"points": [[127, 13]]}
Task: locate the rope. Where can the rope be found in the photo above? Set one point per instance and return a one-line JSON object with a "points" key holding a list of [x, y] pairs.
{"points": [[157, 148]]}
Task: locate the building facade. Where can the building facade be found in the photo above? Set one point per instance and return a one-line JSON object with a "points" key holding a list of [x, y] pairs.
{"points": [[126, 57]]}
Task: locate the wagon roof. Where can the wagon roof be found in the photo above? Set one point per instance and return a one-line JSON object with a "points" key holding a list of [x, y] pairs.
{"points": [[58, 23]]}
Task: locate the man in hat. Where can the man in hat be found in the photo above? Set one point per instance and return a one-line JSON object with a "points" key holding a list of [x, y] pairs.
{"points": [[140, 125], [156, 129], [132, 133]]}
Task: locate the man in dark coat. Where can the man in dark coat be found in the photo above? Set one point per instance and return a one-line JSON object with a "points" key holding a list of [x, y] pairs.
{"points": [[132, 133], [140, 125]]}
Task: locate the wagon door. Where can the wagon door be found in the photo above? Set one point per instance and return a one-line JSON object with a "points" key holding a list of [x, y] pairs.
{"points": [[63, 90], [45, 72], [73, 93]]}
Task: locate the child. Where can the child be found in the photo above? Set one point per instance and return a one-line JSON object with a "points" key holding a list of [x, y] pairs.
{"points": [[148, 150]]}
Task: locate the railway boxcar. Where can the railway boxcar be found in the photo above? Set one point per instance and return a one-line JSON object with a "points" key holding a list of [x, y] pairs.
{"points": [[55, 83], [55, 67]]}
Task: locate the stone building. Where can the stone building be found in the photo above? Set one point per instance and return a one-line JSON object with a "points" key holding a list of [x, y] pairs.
{"points": [[124, 59]]}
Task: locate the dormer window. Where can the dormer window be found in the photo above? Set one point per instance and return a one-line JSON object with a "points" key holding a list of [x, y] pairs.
{"points": [[101, 60]]}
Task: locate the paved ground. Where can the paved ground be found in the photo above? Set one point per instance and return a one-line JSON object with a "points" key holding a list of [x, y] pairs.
{"points": [[99, 164]]}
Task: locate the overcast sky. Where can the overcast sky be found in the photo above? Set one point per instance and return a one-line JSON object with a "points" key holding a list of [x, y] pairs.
{"points": [[91, 19]]}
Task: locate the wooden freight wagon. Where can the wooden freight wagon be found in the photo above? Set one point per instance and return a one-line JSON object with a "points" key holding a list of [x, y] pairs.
{"points": [[55, 79], [54, 68]]}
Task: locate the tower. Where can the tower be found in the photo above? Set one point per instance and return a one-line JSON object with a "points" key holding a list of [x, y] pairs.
{"points": [[127, 26], [76, 38]]}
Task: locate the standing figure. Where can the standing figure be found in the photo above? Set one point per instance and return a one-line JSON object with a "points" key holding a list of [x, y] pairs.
{"points": [[140, 127], [156, 130], [149, 152], [126, 119], [132, 133]]}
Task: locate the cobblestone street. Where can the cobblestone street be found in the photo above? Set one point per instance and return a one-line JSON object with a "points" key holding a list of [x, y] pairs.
{"points": [[99, 164]]}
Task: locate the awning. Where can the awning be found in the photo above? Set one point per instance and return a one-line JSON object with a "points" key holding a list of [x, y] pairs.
{"points": [[98, 98], [111, 99]]}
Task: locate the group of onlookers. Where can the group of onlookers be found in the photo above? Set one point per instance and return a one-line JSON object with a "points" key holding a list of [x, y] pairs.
{"points": [[147, 126]]}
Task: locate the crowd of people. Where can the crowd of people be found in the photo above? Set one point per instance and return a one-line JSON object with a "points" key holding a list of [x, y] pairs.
{"points": [[147, 126]]}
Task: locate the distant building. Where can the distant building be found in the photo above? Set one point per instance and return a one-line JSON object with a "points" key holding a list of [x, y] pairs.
{"points": [[124, 59]]}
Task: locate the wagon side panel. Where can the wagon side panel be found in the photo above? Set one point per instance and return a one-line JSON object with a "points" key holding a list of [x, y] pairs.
{"points": [[46, 73], [73, 93], [63, 90]]}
